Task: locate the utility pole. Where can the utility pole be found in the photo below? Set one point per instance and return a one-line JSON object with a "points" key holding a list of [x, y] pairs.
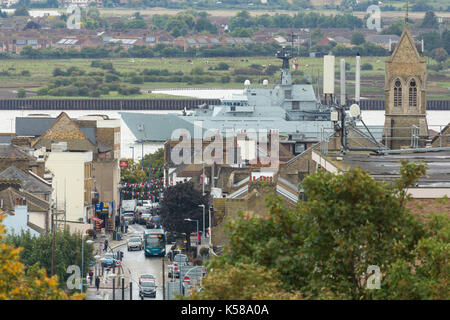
{"points": [[53, 245], [164, 278]]}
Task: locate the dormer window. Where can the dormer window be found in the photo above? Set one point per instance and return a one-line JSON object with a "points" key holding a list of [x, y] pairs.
{"points": [[397, 93]]}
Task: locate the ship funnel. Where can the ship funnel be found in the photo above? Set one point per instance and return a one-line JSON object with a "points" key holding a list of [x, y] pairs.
{"points": [[342, 84], [358, 79]]}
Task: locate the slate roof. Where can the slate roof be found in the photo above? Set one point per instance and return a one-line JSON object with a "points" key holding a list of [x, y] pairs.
{"points": [[29, 182], [34, 127], [8, 150]]}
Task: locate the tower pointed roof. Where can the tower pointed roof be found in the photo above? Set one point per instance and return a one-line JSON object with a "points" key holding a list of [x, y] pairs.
{"points": [[405, 50]]}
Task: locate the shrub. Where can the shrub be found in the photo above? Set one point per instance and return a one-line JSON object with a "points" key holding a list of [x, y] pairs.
{"points": [[21, 93], [222, 66], [42, 91], [95, 93], [25, 73], [366, 66], [137, 80], [197, 71], [225, 79]]}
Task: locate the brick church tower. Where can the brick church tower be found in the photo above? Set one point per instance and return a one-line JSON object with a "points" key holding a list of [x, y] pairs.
{"points": [[405, 95]]}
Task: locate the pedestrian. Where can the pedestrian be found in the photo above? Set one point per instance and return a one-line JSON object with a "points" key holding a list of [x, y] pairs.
{"points": [[106, 245], [126, 226], [97, 282], [91, 275]]}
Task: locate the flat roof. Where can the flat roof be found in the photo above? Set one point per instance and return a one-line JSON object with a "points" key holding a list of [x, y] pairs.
{"points": [[387, 166]]}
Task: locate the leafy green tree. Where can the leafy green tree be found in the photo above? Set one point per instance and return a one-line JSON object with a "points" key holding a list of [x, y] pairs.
{"points": [[156, 162], [358, 38], [395, 28], [439, 54], [21, 93], [243, 282], [348, 223], [426, 276], [36, 251], [429, 20], [132, 174]]}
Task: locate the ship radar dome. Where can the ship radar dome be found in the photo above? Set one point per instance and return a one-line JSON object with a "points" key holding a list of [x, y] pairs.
{"points": [[247, 83], [265, 82]]}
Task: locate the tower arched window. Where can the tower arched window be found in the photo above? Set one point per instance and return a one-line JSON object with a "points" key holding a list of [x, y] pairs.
{"points": [[397, 93], [412, 93]]}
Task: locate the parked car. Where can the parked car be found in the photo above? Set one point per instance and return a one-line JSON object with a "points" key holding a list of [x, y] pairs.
{"points": [[146, 203], [146, 277], [144, 218], [135, 243], [147, 288], [109, 260], [178, 261]]}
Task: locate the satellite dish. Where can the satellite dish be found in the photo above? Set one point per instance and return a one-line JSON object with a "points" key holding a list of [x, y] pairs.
{"points": [[355, 112]]}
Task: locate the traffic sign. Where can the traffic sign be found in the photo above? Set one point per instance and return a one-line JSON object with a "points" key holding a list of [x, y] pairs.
{"points": [[187, 280]]}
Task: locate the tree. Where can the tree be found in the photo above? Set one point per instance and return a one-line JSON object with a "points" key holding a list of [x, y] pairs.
{"points": [[36, 251], [243, 282], [21, 11], [21, 93], [429, 20], [395, 28], [358, 38], [181, 202], [349, 222], [439, 54], [427, 276], [156, 161], [19, 283]]}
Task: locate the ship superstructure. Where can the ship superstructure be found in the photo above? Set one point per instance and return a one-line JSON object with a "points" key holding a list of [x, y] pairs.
{"points": [[286, 107]]}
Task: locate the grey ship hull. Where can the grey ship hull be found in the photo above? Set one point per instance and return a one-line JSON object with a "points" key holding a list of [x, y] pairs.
{"points": [[161, 127]]}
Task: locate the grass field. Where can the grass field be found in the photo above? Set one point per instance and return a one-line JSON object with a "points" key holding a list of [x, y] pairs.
{"points": [[309, 68]]}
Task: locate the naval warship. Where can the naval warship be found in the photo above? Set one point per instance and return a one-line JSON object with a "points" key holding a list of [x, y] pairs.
{"points": [[286, 107]]}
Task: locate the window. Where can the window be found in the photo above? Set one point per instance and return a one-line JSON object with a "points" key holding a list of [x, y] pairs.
{"points": [[412, 93], [397, 93], [288, 94], [295, 105]]}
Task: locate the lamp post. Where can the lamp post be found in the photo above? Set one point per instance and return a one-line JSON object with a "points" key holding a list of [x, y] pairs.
{"points": [[82, 259], [197, 231], [203, 230], [132, 148]]}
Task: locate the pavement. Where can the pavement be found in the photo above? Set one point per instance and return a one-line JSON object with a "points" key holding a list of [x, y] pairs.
{"points": [[106, 282]]}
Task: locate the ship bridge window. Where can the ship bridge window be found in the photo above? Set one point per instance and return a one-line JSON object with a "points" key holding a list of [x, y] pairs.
{"points": [[288, 94]]}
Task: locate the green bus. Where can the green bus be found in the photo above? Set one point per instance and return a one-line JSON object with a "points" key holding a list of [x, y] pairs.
{"points": [[154, 242]]}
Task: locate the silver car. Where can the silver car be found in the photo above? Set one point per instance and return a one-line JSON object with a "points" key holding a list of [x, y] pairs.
{"points": [[147, 288], [135, 243]]}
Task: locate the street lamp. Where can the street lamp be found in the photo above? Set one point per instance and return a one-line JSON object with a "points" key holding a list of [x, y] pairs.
{"points": [[203, 230], [197, 230], [132, 148], [82, 259]]}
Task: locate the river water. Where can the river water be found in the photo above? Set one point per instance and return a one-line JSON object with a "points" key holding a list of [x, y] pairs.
{"points": [[436, 119]]}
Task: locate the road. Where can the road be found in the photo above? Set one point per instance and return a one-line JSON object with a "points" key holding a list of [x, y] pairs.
{"points": [[136, 263]]}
